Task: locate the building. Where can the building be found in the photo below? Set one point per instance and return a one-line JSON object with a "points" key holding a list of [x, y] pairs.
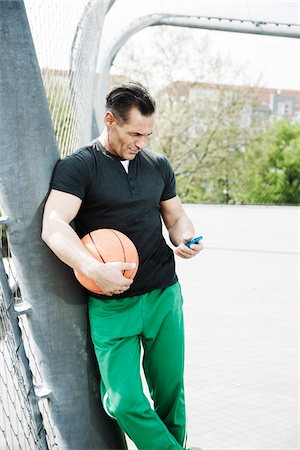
{"points": [[266, 103], [282, 103]]}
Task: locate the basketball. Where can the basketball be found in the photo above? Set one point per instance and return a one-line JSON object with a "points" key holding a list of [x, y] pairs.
{"points": [[108, 245]]}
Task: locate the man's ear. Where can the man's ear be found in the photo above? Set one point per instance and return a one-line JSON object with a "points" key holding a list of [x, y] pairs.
{"points": [[109, 119]]}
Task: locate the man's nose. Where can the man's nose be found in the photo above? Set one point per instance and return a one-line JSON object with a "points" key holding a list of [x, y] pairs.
{"points": [[141, 142]]}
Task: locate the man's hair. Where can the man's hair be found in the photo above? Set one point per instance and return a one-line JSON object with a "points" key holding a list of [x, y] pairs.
{"points": [[123, 98]]}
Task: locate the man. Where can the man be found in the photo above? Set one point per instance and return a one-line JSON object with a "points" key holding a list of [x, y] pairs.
{"points": [[115, 182]]}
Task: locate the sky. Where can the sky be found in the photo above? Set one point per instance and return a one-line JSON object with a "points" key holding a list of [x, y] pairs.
{"points": [[275, 60]]}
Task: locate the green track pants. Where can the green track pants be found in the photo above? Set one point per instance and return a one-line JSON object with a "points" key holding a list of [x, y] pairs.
{"points": [[119, 327]]}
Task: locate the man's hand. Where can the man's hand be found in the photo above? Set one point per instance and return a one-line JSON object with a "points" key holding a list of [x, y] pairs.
{"points": [[187, 252], [109, 277]]}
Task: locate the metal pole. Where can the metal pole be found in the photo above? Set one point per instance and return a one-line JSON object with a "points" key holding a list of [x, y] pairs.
{"points": [[58, 318]]}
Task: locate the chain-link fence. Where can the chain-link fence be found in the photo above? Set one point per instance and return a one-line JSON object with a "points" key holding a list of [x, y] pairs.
{"points": [[64, 38], [19, 416], [17, 428], [41, 391], [22, 400]]}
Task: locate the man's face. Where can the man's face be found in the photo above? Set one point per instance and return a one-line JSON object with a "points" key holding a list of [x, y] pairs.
{"points": [[127, 139]]}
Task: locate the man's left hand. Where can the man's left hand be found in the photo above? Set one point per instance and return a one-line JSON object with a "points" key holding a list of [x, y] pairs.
{"points": [[187, 252]]}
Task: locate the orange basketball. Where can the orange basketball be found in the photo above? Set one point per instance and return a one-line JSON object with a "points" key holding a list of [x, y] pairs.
{"points": [[107, 245]]}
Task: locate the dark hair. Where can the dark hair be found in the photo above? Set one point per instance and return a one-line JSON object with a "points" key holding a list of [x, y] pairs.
{"points": [[123, 98]]}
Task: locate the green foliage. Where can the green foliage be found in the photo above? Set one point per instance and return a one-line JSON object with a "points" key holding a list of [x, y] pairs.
{"points": [[265, 171], [271, 167]]}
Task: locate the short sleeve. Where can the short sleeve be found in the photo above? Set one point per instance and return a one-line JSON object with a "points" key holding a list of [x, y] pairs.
{"points": [[170, 181], [71, 175]]}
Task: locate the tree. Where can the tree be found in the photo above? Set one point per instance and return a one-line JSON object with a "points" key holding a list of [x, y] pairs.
{"points": [[222, 148], [272, 169], [203, 131]]}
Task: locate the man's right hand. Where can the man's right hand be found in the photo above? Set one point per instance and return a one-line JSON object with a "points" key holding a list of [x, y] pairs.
{"points": [[110, 278]]}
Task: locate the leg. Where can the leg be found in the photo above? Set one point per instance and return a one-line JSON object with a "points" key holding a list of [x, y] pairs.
{"points": [[164, 357], [115, 328]]}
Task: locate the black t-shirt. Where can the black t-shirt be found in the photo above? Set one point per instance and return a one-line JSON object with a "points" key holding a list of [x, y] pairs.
{"points": [[128, 202]]}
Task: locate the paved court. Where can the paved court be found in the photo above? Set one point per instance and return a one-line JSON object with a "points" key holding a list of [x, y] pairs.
{"points": [[241, 298]]}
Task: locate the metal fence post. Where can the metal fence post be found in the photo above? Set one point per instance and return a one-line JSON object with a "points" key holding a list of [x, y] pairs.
{"points": [[58, 319]]}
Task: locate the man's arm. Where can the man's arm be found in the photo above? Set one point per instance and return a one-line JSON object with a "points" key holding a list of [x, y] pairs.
{"points": [[60, 209], [180, 227]]}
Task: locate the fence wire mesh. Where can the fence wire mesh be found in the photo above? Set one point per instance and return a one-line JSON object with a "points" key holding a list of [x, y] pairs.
{"points": [[38, 381], [19, 429], [17, 426], [59, 32]]}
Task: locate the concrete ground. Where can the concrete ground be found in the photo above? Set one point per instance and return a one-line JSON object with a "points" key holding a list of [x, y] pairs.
{"points": [[241, 302]]}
